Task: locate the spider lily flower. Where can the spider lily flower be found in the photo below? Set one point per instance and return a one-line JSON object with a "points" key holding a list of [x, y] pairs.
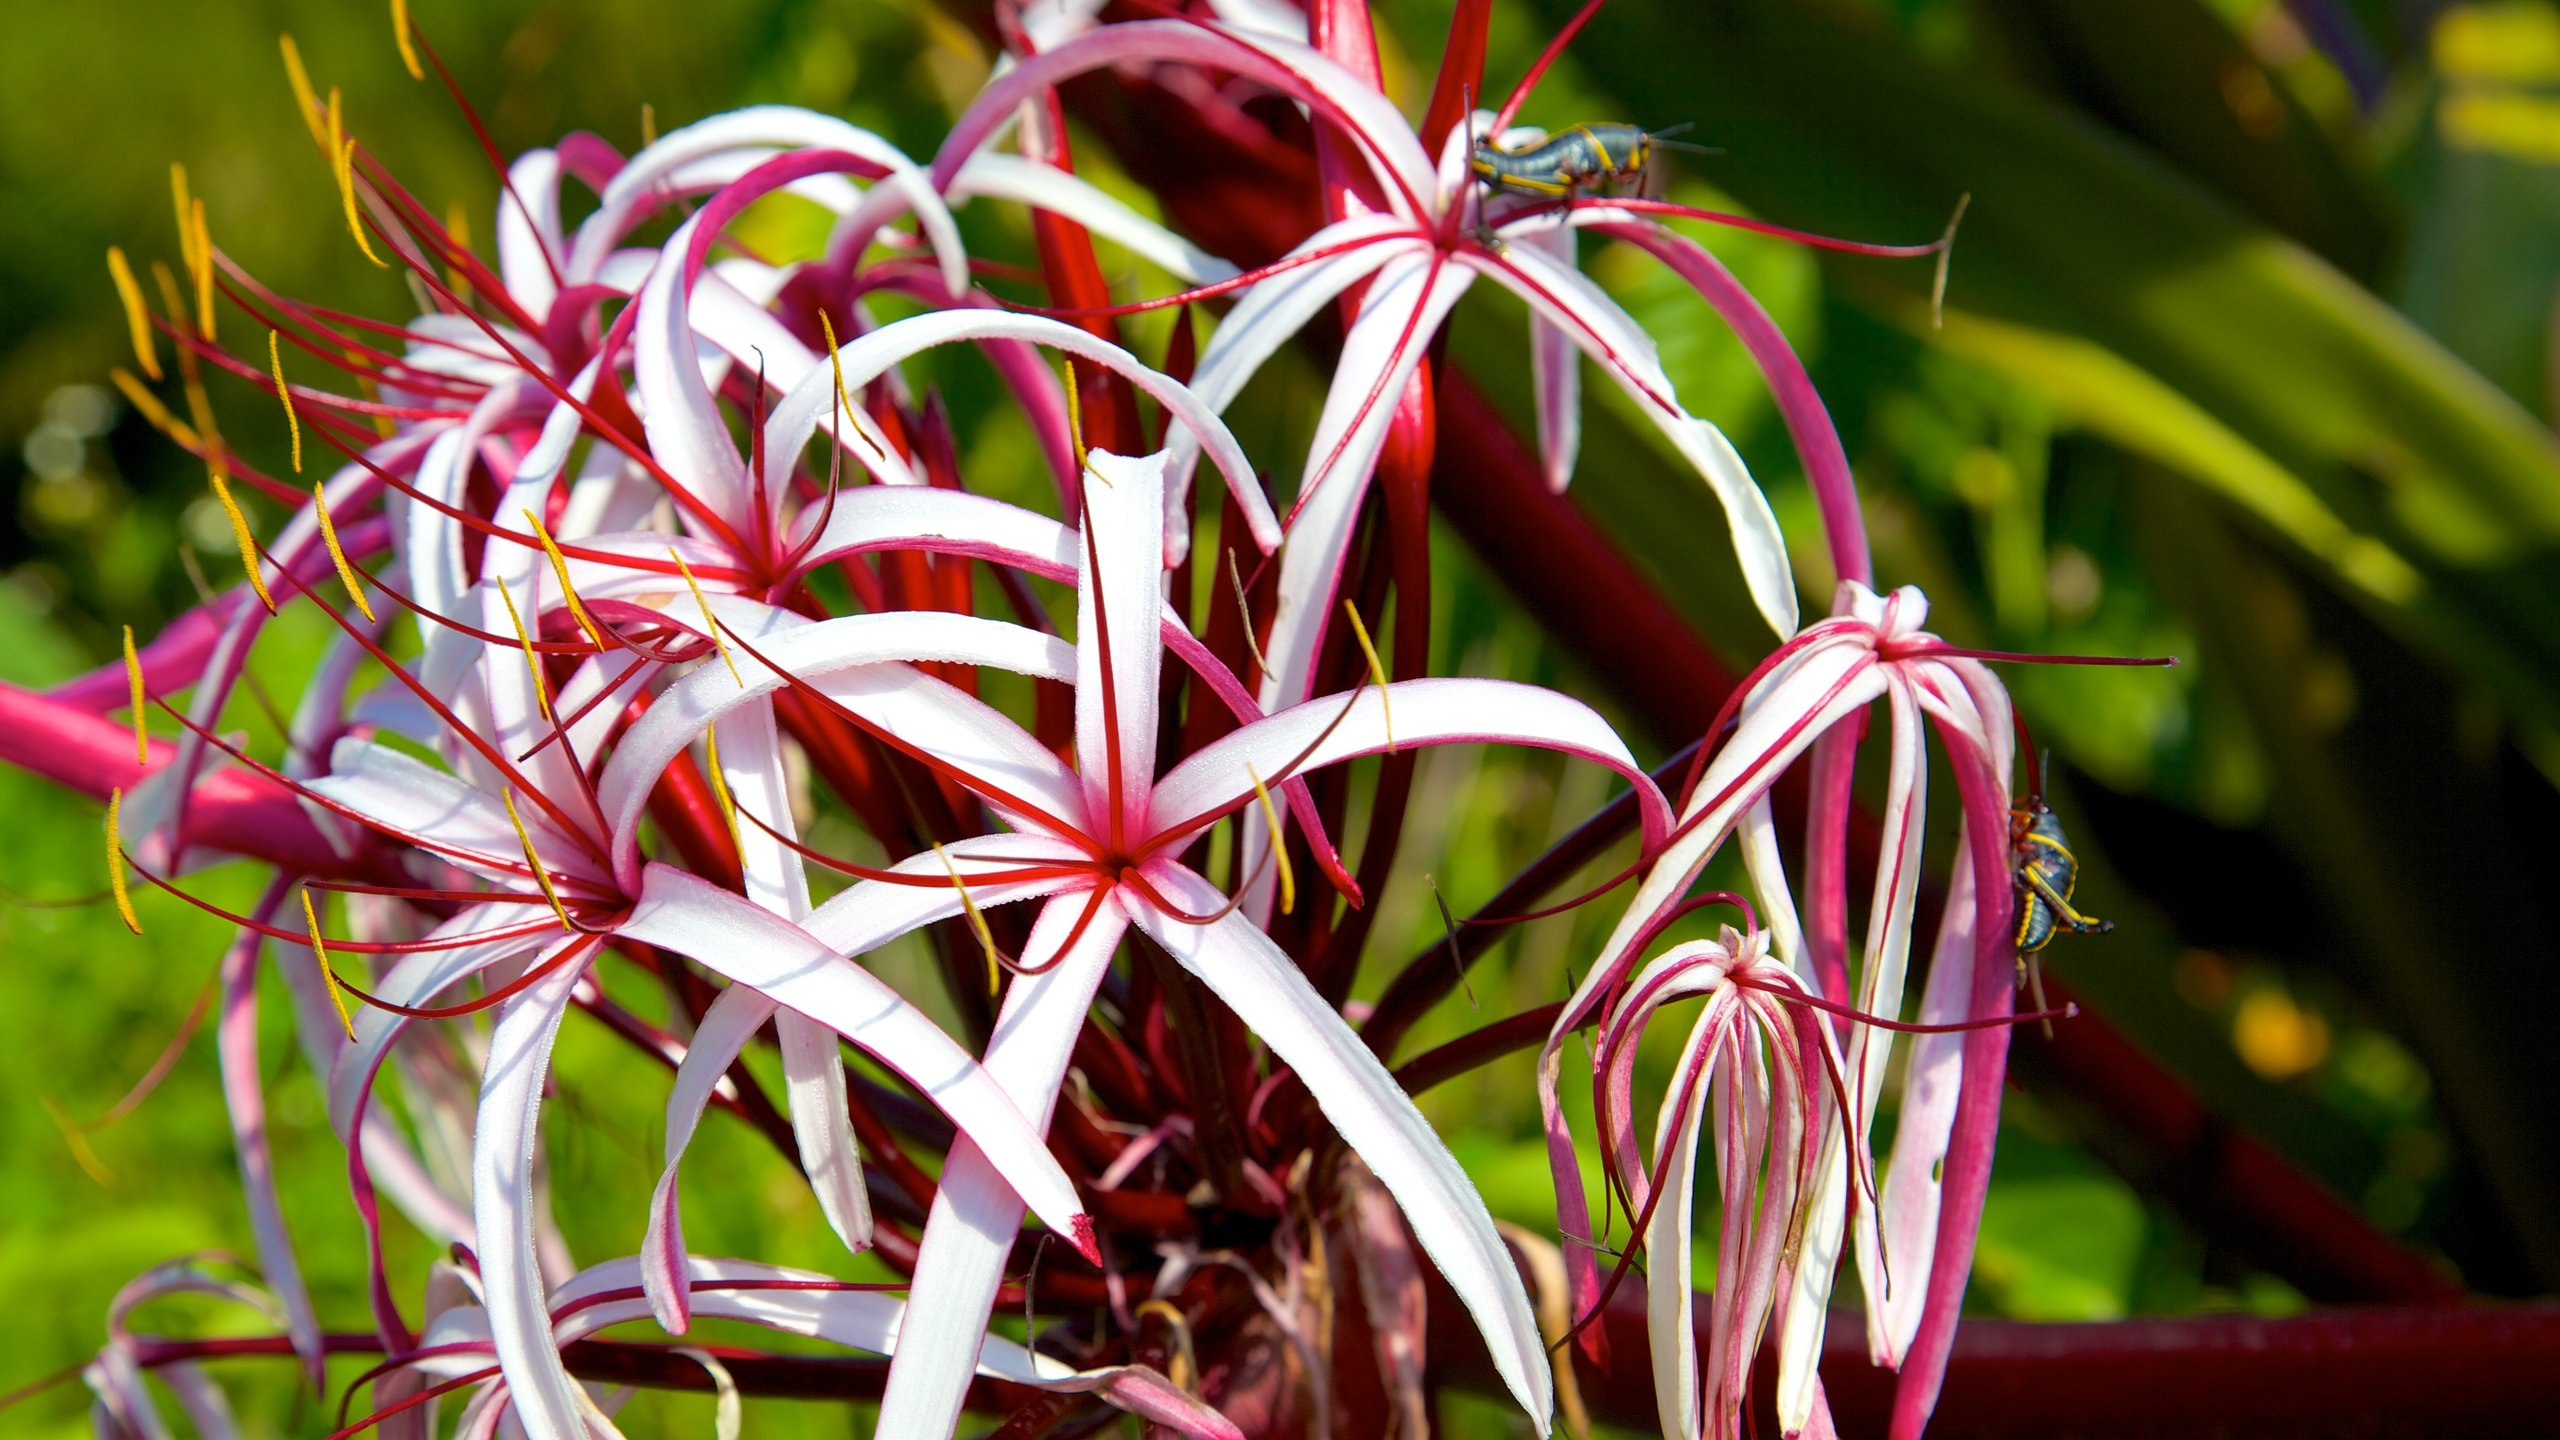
{"points": [[519, 816], [1755, 1073], [1102, 845], [1407, 261], [1914, 1262]]}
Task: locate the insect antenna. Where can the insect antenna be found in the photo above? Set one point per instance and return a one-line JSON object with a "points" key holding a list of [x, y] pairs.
{"points": [[1683, 146]]}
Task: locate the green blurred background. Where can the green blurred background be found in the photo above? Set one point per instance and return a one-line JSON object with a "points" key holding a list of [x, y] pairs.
{"points": [[2248, 357]]}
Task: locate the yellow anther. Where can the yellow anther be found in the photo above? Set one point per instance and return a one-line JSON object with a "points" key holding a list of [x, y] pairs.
{"points": [[305, 99], [977, 921], [1244, 609], [1279, 844], [201, 260], [342, 163], [240, 533], [844, 402], [328, 972], [532, 662], [208, 441], [400, 32], [292, 421], [78, 1140], [1183, 1369], [720, 782], [457, 230], [541, 876], [115, 861], [710, 622], [184, 204], [137, 316], [133, 674], [1377, 672], [1075, 416], [337, 554], [347, 194], [560, 567], [152, 410], [648, 124]]}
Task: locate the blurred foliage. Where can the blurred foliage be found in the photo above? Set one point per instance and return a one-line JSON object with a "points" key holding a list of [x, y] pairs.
{"points": [[2247, 358]]}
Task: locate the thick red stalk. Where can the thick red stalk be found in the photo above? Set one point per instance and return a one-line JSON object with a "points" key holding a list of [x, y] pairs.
{"points": [[2379, 1373], [230, 810]]}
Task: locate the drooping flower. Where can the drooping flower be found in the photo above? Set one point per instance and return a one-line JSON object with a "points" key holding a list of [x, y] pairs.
{"points": [[1813, 692]]}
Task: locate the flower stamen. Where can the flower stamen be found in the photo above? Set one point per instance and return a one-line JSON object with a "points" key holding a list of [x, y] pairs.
{"points": [[541, 876], [532, 663], [710, 622], [137, 316], [328, 972], [240, 535], [400, 33], [337, 552], [342, 160], [720, 781], [1377, 673], [560, 567], [141, 705], [115, 861], [1279, 842], [306, 101], [293, 422], [977, 920]]}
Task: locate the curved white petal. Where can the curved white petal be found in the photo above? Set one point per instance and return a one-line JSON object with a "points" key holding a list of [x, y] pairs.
{"points": [[950, 522], [1582, 310], [464, 823], [756, 947], [1821, 683], [503, 1209], [975, 1212], [648, 175], [1929, 1091], [858, 1319], [1410, 712], [529, 243], [1275, 309], [1000, 176], [861, 919], [799, 414], [686, 433], [850, 659], [812, 1069], [431, 540], [1257, 981], [1403, 308], [1120, 613], [1384, 138]]}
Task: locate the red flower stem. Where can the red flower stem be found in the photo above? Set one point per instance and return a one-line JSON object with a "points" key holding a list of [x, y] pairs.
{"points": [[1481, 1046], [2379, 1373], [235, 811]]}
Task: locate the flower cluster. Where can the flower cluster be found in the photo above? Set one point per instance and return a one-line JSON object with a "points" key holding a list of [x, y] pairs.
{"points": [[635, 539]]}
